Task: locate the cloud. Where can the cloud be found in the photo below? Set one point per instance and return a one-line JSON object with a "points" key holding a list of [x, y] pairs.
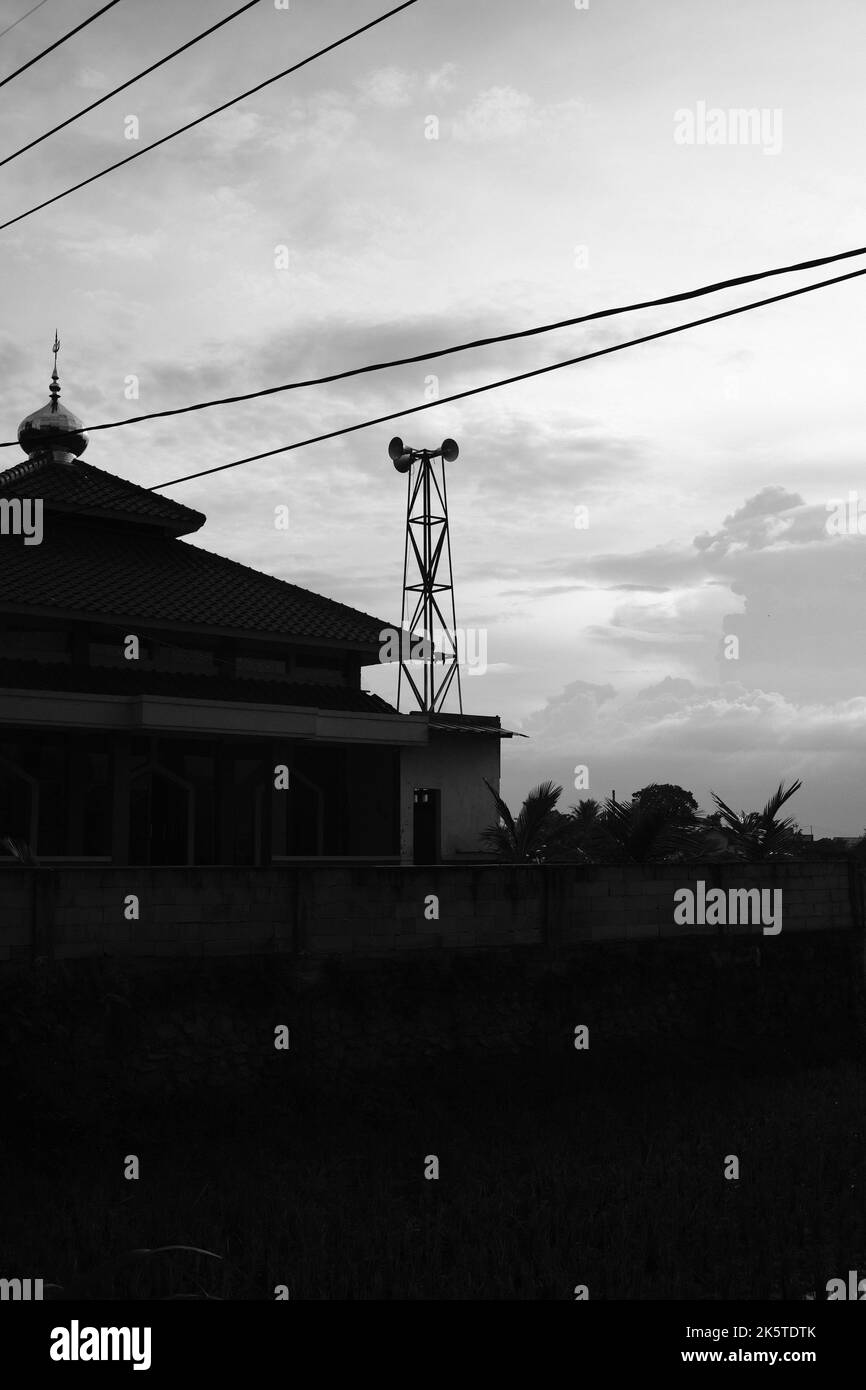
{"points": [[670, 689], [791, 704], [738, 741], [389, 88], [393, 87], [501, 113], [496, 114], [138, 246], [762, 520], [443, 80], [575, 707], [232, 130]]}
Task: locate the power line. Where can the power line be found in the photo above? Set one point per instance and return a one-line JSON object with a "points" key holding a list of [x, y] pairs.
{"points": [[51, 47], [476, 343], [511, 380], [10, 27], [215, 112], [138, 76]]}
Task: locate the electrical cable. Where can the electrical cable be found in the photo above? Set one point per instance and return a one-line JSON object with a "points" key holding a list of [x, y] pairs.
{"points": [[181, 130], [510, 381], [51, 47], [677, 298], [85, 110]]}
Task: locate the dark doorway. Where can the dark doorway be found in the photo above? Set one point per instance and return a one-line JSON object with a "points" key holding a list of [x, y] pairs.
{"points": [[426, 836]]}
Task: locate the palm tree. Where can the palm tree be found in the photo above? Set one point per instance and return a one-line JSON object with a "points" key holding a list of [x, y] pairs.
{"points": [[529, 838], [586, 813], [586, 833], [640, 832], [758, 834]]}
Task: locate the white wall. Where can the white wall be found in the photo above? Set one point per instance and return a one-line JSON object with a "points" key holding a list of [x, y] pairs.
{"points": [[455, 763]]}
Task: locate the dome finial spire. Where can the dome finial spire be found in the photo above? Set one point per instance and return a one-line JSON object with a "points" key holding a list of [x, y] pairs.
{"points": [[54, 388], [53, 433]]}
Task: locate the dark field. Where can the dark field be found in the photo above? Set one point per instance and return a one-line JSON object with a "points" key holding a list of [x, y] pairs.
{"points": [[551, 1175]]}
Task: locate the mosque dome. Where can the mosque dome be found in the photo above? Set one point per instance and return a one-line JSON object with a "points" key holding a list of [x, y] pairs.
{"points": [[52, 431]]}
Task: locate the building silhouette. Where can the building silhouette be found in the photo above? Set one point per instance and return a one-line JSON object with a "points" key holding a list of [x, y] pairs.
{"points": [[161, 704]]}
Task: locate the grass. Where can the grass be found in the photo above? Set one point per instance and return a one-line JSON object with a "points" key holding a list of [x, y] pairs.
{"points": [[552, 1174]]}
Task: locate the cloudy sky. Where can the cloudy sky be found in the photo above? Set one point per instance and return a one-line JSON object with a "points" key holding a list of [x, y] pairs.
{"points": [[560, 182]]}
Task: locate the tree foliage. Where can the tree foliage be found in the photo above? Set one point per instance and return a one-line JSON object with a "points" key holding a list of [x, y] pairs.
{"points": [[675, 802], [760, 834], [660, 824], [528, 838]]}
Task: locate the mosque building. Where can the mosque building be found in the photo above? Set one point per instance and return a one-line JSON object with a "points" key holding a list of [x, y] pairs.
{"points": [[164, 705]]}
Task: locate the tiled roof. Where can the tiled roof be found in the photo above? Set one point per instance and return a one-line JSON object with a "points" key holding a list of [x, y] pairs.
{"points": [[108, 574], [132, 680], [81, 489]]}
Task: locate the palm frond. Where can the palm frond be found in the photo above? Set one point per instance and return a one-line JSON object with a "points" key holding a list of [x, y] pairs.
{"points": [[504, 813], [758, 834], [778, 799], [524, 838], [533, 817]]}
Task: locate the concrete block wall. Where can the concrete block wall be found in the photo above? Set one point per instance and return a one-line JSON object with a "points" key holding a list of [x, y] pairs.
{"points": [[369, 910], [637, 902]]}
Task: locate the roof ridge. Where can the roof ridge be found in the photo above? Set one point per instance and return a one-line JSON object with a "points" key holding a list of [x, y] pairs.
{"points": [[21, 470]]}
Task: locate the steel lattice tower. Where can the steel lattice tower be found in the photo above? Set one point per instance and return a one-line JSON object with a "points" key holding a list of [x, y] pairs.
{"points": [[428, 540]]}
